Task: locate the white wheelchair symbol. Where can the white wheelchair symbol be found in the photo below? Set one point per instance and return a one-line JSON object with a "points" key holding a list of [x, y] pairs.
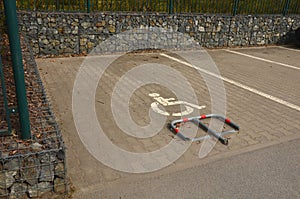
{"points": [[189, 108]]}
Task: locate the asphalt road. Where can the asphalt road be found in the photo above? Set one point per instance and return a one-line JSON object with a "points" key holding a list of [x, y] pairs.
{"points": [[271, 172]]}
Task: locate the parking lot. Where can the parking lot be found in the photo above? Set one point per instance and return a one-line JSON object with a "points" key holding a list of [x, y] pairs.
{"points": [[261, 87]]}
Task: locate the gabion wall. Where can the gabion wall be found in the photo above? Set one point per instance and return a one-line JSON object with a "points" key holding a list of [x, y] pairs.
{"points": [[78, 33], [32, 175], [34, 168]]}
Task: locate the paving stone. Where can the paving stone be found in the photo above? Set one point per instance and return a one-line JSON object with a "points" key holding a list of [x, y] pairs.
{"points": [[259, 124]]}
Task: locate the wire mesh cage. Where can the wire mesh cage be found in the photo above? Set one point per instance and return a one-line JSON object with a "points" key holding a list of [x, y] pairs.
{"points": [[35, 167]]}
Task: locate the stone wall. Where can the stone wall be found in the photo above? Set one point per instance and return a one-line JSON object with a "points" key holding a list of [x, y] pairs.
{"points": [[34, 168], [79, 33], [33, 175]]}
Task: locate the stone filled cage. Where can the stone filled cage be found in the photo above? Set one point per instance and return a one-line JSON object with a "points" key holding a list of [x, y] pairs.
{"points": [[34, 168]]}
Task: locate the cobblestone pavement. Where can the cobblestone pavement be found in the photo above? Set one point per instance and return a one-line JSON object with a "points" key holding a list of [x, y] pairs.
{"points": [[262, 93]]}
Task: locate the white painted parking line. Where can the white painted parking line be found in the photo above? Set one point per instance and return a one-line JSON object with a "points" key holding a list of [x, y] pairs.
{"points": [[253, 90], [286, 48], [251, 47], [265, 60]]}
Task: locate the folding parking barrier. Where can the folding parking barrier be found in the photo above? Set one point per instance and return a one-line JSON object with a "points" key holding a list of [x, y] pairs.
{"points": [[174, 126]]}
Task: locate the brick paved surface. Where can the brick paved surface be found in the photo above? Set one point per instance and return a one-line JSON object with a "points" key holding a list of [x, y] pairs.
{"points": [[262, 121]]}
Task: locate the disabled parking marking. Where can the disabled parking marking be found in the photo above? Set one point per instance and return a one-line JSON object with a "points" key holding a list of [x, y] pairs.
{"points": [[171, 102], [253, 90]]}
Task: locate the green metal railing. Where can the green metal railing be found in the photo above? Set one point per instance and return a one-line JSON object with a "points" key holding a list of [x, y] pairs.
{"points": [[232, 7], [5, 126], [263, 7], [5, 121]]}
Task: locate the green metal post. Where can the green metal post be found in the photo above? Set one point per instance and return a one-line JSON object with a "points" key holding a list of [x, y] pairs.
{"points": [[235, 7], [88, 6], [171, 7], [57, 6], [16, 53], [286, 7]]}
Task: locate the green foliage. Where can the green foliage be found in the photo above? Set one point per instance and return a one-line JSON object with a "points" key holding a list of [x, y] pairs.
{"points": [[163, 6], [52, 5], [294, 7], [129, 5], [261, 7]]}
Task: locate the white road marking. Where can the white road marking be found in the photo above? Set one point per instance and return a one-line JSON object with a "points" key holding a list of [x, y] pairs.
{"points": [[253, 90], [265, 60], [251, 47], [171, 102], [292, 49]]}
